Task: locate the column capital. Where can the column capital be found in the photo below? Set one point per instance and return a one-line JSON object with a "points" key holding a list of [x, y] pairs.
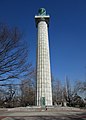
{"points": [[42, 18]]}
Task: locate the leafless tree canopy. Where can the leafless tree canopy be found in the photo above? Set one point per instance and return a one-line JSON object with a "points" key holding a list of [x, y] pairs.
{"points": [[13, 55], [72, 96], [16, 72]]}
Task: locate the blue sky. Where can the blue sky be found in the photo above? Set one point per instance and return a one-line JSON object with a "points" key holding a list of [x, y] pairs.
{"points": [[67, 32]]}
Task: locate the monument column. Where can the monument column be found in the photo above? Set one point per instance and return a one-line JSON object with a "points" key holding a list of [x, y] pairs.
{"points": [[44, 89]]}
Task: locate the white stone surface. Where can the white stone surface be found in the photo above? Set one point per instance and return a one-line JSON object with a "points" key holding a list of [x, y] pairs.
{"points": [[44, 88]]}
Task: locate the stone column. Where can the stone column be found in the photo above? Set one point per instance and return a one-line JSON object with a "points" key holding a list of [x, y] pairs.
{"points": [[44, 89]]}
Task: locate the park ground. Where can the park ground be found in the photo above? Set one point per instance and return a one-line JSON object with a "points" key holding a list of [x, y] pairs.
{"points": [[54, 114]]}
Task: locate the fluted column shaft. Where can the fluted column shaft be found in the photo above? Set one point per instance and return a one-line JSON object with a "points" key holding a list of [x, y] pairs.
{"points": [[44, 89]]}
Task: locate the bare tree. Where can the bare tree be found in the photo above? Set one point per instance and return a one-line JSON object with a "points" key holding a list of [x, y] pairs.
{"points": [[80, 86], [14, 65], [68, 91], [27, 90], [57, 92], [13, 56]]}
